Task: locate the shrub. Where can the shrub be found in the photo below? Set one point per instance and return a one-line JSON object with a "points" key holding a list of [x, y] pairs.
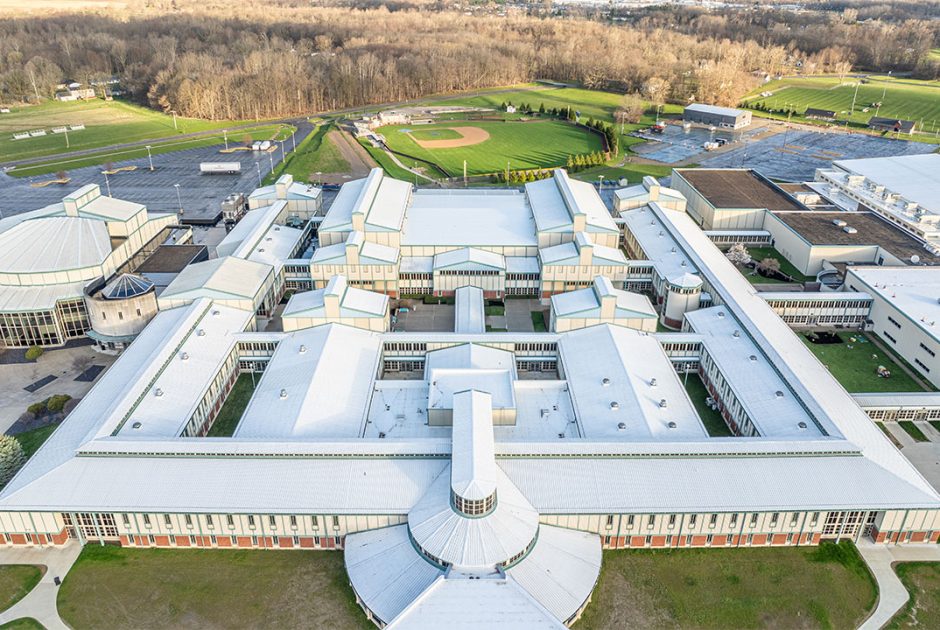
{"points": [[33, 353], [12, 458], [37, 409], [70, 404], [57, 402], [26, 417]]}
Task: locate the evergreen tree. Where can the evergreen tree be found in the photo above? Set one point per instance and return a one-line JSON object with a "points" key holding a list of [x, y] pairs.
{"points": [[541, 108], [12, 458]]}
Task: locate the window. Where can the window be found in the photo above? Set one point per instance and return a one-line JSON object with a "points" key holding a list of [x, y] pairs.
{"points": [[272, 521], [672, 520], [692, 519], [713, 520], [610, 521], [229, 520], [793, 518], [652, 521], [251, 520], [167, 520], [147, 520], [125, 519], [734, 520], [120, 315], [889, 337], [921, 365], [336, 522], [814, 519], [315, 521], [630, 520], [928, 350], [189, 521], [754, 520], [209, 521], [773, 518], [293, 521], [894, 321]]}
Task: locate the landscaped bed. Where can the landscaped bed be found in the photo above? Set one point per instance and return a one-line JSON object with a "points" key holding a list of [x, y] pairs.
{"points": [[111, 587], [795, 587]]}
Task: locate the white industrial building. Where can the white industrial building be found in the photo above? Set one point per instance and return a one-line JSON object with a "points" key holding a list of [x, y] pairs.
{"points": [[471, 475]]}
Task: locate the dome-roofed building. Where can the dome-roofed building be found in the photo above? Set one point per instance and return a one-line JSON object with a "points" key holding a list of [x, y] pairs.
{"points": [[120, 310]]}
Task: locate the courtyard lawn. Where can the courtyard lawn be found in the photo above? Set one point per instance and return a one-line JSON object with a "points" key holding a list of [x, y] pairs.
{"points": [[913, 430], [714, 423], [922, 580], [113, 587], [903, 98], [523, 145], [796, 587], [106, 123], [760, 253], [632, 172], [538, 321], [31, 440], [16, 580], [231, 412], [260, 132], [856, 368], [26, 623], [316, 154]]}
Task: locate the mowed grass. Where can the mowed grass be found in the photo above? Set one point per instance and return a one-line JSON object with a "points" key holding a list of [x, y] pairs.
{"points": [[106, 123], [112, 587], [25, 623], [435, 134], [261, 132], [922, 580], [16, 580], [797, 587], [714, 423], [906, 99], [856, 368], [523, 145], [316, 154], [236, 401]]}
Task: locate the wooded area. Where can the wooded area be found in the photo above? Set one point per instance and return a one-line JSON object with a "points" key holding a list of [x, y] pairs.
{"points": [[217, 61]]}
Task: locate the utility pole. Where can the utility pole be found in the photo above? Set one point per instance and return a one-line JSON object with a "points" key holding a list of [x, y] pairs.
{"points": [[66, 136], [225, 135], [149, 157], [107, 183], [179, 200], [852, 109], [175, 128]]}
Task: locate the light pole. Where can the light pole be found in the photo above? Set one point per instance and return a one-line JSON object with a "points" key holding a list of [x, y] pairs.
{"points": [[283, 156], [600, 183], [66, 137], [293, 140], [225, 136], [258, 166], [179, 200], [175, 128], [149, 157], [852, 110], [271, 160], [106, 182]]}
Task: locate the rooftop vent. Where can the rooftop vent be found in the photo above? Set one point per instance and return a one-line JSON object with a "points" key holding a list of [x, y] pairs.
{"points": [[614, 405], [606, 381], [283, 394], [662, 403], [215, 312], [721, 313], [184, 356], [201, 332], [839, 222], [802, 426], [561, 435], [158, 392], [303, 348], [753, 358], [381, 434], [268, 239], [849, 230], [652, 382], [778, 394], [260, 250], [136, 425], [736, 334], [621, 426], [671, 424]]}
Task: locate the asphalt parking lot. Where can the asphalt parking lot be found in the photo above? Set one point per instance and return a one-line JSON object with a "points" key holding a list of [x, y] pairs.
{"points": [[795, 155], [199, 195]]}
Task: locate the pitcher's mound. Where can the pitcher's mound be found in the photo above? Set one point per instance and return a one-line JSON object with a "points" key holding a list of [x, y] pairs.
{"points": [[468, 136]]}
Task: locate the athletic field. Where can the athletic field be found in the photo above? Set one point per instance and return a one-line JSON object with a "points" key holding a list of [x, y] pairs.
{"points": [[906, 99], [487, 146], [106, 123]]}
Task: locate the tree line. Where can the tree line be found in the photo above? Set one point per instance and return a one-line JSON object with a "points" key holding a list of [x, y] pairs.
{"points": [[216, 60]]}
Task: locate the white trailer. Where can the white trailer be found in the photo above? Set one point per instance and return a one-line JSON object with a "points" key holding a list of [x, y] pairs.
{"points": [[220, 168]]}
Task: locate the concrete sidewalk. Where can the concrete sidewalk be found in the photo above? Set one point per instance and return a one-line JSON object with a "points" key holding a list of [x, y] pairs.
{"points": [[40, 603], [891, 592]]}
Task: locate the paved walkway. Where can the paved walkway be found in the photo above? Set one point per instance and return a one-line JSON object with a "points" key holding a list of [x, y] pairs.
{"points": [[891, 592], [40, 603]]}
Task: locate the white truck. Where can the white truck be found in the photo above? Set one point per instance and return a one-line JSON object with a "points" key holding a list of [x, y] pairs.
{"points": [[220, 168]]}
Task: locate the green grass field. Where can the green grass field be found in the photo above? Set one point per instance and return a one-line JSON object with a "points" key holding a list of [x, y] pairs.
{"points": [[797, 587], [231, 412], [714, 423], [922, 580], [524, 145], [435, 134], [261, 132], [106, 123], [855, 368], [111, 587], [16, 580], [316, 154], [907, 99], [25, 623]]}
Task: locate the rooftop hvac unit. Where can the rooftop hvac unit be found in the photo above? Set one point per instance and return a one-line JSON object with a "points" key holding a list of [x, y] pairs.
{"points": [[849, 230], [839, 222]]}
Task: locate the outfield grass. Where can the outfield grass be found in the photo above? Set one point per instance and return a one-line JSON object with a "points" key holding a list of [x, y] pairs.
{"points": [[16, 580], [711, 418], [316, 154], [922, 580], [524, 145], [907, 99], [106, 123], [261, 132], [795, 587], [855, 368], [112, 587], [236, 401]]}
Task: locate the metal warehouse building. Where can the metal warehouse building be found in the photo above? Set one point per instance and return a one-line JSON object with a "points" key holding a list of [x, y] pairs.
{"points": [[725, 117]]}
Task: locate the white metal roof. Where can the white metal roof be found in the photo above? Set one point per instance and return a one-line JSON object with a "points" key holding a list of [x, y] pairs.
{"points": [[250, 228], [714, 109], [469, 311], [557, 200], [317, 384], [369, 253], [912, 290], [470, 366], [475, 218], [914, 177], [469, 258], [669, 260], [54, 244], [381, 200], [473, 463], [221, 278], [569, 253], [610, 387], [353, 302], [295, 192], [586, 303], [894, 400], [38, 298]]}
